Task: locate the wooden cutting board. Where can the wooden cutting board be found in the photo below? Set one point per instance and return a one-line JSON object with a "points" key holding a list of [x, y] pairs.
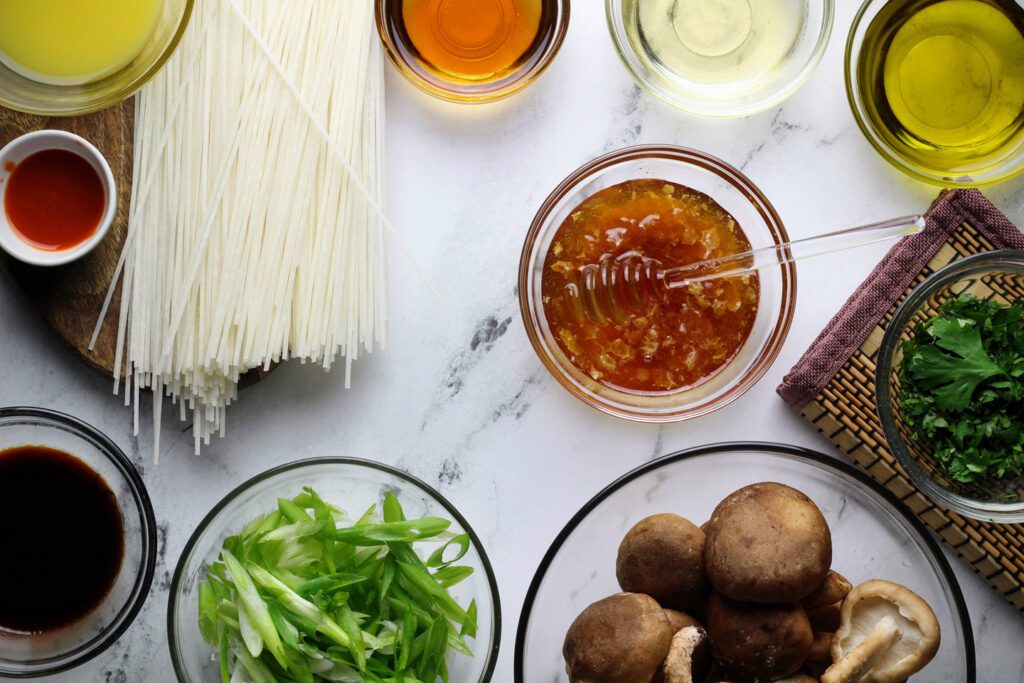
{"points": [[69, 298]]}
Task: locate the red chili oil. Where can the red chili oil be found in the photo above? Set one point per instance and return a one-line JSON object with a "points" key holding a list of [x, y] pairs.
{"points": [[54, 200]]}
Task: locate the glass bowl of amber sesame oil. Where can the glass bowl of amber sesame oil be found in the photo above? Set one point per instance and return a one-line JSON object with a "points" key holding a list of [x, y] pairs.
{"points": [[472, 51], [937, 86]]}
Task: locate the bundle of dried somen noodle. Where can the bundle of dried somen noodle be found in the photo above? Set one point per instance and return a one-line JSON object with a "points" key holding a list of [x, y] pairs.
{"points": [[256, 228]]}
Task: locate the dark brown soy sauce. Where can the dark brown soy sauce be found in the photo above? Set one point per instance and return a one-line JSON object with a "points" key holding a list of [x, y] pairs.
{"points": [[61, 539]]}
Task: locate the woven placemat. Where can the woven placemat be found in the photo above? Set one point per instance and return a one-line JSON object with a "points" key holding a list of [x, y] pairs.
{"points": [[833, 385]]}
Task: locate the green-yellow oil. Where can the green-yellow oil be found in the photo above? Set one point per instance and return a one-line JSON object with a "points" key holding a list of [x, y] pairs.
{"points": [[943, 82]]}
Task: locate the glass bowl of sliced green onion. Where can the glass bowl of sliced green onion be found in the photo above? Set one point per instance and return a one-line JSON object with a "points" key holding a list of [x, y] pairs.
{"points": [[334, 569]]}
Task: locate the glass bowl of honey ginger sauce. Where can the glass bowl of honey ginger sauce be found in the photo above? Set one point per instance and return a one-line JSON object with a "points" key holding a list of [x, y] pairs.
{"points": [[472, 51], [662, 356]]}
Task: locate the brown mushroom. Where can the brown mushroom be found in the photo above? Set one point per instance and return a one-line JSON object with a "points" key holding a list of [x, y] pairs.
{"points": [[689, 658], [623, 638], [859, 661], [678, 620], [819, 658], [832, 590], [827, 618], [663, 556], [767, 543], [755, 642], [887, 634]]}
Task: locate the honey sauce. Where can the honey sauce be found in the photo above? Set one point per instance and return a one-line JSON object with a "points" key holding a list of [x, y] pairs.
{"points": [[677, 342]]}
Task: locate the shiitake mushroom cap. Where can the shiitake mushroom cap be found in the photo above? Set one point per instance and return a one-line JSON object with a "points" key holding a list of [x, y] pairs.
{"points": [[623, 638], [832, 590], [663, 556], [767, 543], [680, 620], [758, 642]]}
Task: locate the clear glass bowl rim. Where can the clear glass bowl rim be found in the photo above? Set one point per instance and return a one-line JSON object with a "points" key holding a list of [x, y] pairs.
{"points": [[147, 567], [976, 263], [885, 151], [786, 90], [475, 95], [123, 91], [777, 448], [741, 183], [225, 502]]}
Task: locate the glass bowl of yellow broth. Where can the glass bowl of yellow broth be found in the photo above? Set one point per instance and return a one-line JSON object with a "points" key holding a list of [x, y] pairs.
{"points": [[74, 57], [721, 58], [937, 87]]}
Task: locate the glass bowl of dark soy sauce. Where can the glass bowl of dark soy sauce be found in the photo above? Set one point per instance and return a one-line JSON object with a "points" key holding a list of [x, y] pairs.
{"points": [[79, 542]]}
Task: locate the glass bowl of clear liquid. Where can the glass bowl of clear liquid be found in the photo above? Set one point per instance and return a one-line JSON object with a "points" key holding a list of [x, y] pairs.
{"points": [[724, 58]]}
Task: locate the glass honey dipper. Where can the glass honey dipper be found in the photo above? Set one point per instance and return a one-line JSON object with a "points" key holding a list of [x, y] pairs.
{"points": [[618, 286]]}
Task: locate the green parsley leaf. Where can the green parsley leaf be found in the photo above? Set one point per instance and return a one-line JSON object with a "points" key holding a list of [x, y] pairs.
{"points": [[962, 389]]}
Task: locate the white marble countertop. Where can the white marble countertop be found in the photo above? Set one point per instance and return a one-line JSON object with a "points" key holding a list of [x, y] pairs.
{"points": [[459, 398]]}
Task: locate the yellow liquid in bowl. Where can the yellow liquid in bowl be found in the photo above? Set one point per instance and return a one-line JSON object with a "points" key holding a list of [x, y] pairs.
{"points": [[72, 42], [725, 47], [943, 82]]}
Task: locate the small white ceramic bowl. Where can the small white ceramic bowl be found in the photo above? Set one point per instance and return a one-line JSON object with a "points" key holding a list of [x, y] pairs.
{"points": [[25, 146]]}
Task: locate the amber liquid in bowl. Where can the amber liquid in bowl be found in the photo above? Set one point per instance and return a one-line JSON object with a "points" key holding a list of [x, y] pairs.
{"points": [[471, 40], [469, 49], [676, 343]]}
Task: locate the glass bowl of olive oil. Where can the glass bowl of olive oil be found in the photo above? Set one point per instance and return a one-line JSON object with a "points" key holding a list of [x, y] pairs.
{"points": [[937, 87], [722, 58], [74, 57]]}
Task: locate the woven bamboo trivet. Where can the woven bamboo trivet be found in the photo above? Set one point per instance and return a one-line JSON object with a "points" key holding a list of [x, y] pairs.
{"points": [[833, 386]]}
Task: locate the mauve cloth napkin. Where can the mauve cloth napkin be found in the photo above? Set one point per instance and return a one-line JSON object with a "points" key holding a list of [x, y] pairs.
{"points": [[887, 283]]}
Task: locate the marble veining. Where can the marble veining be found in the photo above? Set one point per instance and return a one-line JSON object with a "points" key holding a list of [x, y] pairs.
{"points": [[458, 397]]}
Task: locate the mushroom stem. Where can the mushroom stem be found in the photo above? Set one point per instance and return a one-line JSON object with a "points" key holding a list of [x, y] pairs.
{"points": [[858, 661], [683, 663]]}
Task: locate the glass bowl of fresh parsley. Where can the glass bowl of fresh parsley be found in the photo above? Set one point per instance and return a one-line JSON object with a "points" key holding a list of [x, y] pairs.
{"points": [[950, 386]]}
